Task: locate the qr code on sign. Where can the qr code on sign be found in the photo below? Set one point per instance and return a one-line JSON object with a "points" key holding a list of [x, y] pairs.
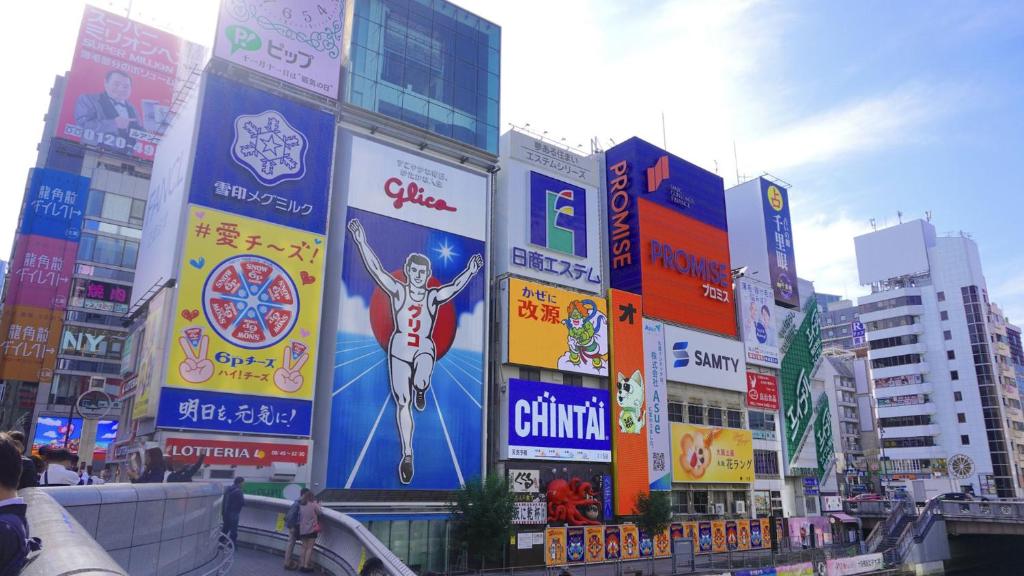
{"points": [[659, 461]]}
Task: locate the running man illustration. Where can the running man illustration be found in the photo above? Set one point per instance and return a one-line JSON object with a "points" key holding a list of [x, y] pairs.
{"points": [[411, 352]]}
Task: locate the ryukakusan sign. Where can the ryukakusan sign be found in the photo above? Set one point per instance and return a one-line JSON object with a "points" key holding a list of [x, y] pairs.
{"points": [[553, 422]]}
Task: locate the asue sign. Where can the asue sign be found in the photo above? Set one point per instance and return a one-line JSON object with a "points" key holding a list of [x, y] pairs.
{"points": [[553, 422], [704, 359]]}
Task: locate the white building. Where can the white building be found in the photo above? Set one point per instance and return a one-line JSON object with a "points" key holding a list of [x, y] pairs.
{"points": [[932, 364]]}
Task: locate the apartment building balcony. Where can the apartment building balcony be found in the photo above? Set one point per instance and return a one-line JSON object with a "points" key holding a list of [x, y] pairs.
{"points": [[917, 453], [908, 310], [895, 331], [901, 370], [909, 431], [907, 389], [891, 351], [926, 408]]}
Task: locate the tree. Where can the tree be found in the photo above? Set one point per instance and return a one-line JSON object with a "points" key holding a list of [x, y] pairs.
{"points": [[654, 512], [483, 512]]}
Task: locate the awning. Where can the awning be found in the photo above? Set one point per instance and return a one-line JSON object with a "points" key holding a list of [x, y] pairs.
{"points": [[844, 518]]}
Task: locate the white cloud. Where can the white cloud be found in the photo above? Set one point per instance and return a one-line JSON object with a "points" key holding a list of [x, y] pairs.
{"points": [[44, 421], [353, 314], [108, 436], [50, 434], [470, 330], [825, 252]]}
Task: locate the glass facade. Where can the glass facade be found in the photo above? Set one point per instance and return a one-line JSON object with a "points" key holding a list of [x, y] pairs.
{"points": [[430, 64]]}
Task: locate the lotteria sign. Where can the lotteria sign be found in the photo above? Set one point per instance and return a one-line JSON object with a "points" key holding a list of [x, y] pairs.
{"points": [[553, 422], [795, 371], [704, 359], [228, 452]]}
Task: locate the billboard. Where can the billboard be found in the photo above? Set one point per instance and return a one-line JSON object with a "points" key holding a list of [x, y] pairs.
{"points": [[103, 296], [762, 391], [556, 329], [795, 372], [230, 451], [248, 310], [553, 422], [54, 204], [757, 323], [824, 448], [241, 413], [152, 354], [296, 41], [659, 437], [707, 454], [629, 411], [781, 257], [122, 83], [262, 156], [31, 337], [51, 432], [705, 359], [409, 365], [40, 272]]}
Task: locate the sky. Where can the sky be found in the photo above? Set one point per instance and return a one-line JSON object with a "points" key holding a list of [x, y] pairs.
{"points": [[868, 109]]}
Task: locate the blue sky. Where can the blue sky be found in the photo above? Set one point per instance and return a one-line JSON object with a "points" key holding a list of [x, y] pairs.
{"points": [[867, 108]]}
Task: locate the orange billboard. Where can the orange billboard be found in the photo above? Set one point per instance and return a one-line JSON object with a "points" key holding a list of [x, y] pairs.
{"points": [[686, 271], [629, 409], [29, 338]]}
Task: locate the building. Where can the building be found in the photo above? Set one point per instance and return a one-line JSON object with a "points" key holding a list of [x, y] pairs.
{"points": [[933, 367], [839, 379], [1009, 393], [841, 328]]}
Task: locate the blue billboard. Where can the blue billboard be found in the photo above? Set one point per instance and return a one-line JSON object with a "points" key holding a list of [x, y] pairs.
{"points": [[263, 156], [781, 257], [54, 204], [638, 169], [554, 422], [222, 412]]}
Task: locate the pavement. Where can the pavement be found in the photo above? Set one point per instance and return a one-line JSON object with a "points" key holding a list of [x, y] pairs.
{"points": [[252, 562]]}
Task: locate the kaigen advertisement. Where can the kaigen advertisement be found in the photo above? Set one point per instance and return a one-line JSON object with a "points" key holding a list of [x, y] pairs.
{"points": [[707, 454], [296, 41], [409, 364], [263, 156], [659, 436], [781, 255], [629, 409], [757, 323], [248, 310], [553, 422], [122, 83], [557, 329]]}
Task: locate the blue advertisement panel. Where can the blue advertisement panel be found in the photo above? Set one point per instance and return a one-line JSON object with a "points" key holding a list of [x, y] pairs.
{"points": [[558, 215], [54, 204], [263, 156], [218, 411], [637, 169], [554, 422], [781, 257]]}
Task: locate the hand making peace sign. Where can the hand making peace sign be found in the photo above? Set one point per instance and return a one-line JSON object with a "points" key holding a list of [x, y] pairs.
{"points": [[289, 376], [196, 367]]}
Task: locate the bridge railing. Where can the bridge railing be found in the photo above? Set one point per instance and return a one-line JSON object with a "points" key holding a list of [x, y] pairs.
{"points": [[995, 511]]}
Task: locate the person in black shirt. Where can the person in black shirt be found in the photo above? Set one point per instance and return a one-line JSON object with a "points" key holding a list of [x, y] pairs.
{"points": [[29, 474]]}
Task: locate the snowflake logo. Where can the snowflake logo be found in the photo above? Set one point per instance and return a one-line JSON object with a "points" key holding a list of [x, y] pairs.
{"points": [[269, 147]]}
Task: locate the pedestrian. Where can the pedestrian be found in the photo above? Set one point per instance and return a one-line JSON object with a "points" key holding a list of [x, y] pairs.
{"points": [[154, 471], [29, 476], [184, 473], [309, 528], [231, 509], [15, 543], [291, 523], [59, 469]]}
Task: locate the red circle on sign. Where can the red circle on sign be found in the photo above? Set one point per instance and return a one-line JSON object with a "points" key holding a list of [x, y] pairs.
{"points": [[383, 324]]}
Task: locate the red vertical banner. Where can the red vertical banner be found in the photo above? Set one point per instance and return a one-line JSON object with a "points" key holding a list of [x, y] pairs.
{"points": [[629, 408]]}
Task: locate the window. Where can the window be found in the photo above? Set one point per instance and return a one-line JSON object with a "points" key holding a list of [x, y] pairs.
{"points": [[899, 360], [695, 414], [700, 502], [675, 412], [766, 462], [899, 421], [950, 355], [529, 374], [573, 380], [947, 334], [954, 374], [965, 439], [761, 421], [894, 341], [680, 502], [734, 419], [958, 396], [943, 315], [961, 417], [714, 416], [116, 207], [941, 296]]}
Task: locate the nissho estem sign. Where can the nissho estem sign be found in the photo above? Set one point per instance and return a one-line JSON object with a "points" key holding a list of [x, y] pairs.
{"points": [[796, 370]]}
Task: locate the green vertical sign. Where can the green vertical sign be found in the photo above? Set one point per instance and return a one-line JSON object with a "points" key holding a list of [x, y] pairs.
{"points": [[824, 447], [796, 369]]}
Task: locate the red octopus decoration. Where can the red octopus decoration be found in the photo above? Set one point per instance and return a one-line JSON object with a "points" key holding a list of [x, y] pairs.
{"points": [[566, 498]]}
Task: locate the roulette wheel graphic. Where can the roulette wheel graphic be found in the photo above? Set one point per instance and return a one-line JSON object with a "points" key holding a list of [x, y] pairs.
{"points": [[250, 301]]}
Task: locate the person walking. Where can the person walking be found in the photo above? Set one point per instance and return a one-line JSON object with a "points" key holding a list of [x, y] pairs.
{"points": [[59, 469], [184, 472], [231, 509], [29, 475], [291, 523], [309, 528], [154, 470], [15, 544]]}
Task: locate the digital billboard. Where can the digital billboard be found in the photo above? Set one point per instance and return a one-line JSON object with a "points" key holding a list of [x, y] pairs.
{"points": [[54, 204], [705, 359], [262, 156], [659, 436], [708, 454], [795, 372], [122, 83], [757, 323], [557, 329], [554, 422], [295, 41], [781, 256], [248, 308], [103, 296], [629, 409], [409, 365], [52, 432]]}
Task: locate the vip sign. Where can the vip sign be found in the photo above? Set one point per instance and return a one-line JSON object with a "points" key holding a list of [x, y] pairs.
{"points": [[704, 359], [629, 409]]}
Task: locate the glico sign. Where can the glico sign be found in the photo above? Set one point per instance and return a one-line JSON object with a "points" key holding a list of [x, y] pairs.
{"points": [[668, 236]]}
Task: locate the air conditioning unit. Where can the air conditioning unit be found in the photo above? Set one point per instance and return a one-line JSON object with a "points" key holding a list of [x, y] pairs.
{"points": [[97, 382], [741, 507], [283, 471], [720, 508]]}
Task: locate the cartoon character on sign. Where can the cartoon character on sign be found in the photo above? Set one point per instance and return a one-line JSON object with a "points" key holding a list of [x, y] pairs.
{"points": [[695, 452], [411, 351], [566, 499], [630, 396], [587, 340]]}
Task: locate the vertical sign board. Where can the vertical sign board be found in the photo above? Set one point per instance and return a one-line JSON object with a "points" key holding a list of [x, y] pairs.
{"points": [[659, 434], [795, 371], [757, 322], [54, 204], [296, 41], [152, 354], [781, 256], [122, 83], [629, 406], [409, 377], [823, 441]]}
